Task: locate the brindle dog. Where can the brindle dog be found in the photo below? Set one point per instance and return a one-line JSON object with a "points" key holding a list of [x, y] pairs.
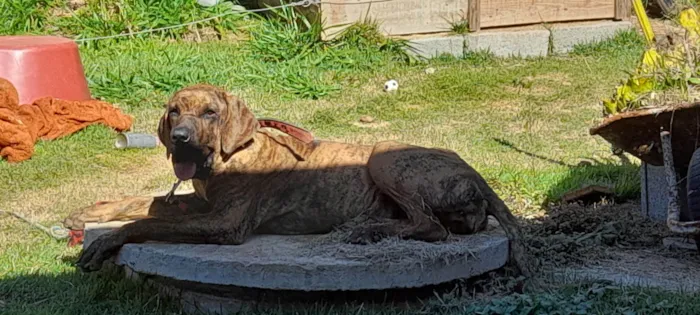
{"points": [[248, 180]]}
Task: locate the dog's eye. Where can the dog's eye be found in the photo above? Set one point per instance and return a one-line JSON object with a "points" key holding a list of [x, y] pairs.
{"points": [[209, 114], [173, 112]]}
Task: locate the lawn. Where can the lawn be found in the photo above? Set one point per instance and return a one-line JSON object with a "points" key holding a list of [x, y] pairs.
{"points": [[522, 123]]}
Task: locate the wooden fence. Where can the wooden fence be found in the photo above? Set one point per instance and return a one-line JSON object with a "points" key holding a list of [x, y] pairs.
{"points": [[407, 17]]}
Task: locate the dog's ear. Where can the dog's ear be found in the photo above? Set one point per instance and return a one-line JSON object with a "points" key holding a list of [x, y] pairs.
{"points": [[238, 125], [164, 133], [300, 150]]}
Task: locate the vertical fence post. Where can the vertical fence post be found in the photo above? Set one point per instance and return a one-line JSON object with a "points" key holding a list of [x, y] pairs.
{"points": [[474, 15], [623, 9]]}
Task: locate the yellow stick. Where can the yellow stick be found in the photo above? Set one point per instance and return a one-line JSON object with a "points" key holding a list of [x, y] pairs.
{"points": [[643, 21]]}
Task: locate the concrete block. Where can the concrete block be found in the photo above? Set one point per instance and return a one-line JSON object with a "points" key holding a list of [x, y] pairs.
{"points": [[435, 46], [654, 192], [524, 43], [317, 263], [565, 37]]}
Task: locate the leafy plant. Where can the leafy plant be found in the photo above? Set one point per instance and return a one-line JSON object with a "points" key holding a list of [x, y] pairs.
{"points": [[366, 35], [664, 73], [459, 25], [286, 35]]}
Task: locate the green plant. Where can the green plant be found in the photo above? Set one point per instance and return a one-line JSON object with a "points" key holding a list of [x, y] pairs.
{"points": [[104, 18], [460, 25], [285, 35], [664, 74], [366, 35]]}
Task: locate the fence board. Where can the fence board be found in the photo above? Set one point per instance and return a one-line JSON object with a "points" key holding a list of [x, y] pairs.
{"points": [[519, 12]]}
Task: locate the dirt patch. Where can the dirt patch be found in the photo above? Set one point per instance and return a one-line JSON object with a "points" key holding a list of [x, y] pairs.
{"points": [[573, 234], [203, 34], [609, 242], [373, 124], [76, 4], [60, 12], [640, 268]]}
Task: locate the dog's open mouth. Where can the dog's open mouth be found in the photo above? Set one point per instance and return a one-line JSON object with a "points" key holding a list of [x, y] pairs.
{"points": [[189, 163]]}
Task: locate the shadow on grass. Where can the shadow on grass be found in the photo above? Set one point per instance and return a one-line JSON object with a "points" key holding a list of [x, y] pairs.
{"points": [[110, 292], [76, 293], [621, 176]]}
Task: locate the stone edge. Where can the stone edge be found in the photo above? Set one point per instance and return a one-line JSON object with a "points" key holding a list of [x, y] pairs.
{"points": [[522, 43]]}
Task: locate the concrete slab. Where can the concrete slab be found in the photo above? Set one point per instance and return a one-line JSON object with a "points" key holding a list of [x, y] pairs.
{"points": [[528, 43], [565, 37], [435, 46], [316, 262]]}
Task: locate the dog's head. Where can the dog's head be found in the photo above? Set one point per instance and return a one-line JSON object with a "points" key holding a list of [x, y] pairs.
{"points": [[201, 122]]}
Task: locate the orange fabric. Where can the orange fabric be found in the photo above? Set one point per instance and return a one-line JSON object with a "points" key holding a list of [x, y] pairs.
{"points": [[48, 118]]}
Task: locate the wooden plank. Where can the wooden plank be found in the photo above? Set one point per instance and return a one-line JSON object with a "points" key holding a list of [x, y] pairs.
{"points": [[623, 9], [520, 12], [398, 17], [474, 15]]}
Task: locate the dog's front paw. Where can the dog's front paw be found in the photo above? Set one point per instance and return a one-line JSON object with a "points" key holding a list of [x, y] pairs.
{"points": [[101, 249]]}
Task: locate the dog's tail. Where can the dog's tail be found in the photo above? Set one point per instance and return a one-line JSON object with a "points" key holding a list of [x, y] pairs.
{"points": [[518, 250]]}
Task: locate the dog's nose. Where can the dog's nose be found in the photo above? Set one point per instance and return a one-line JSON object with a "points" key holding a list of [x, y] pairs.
{"points": [[181, 135]]}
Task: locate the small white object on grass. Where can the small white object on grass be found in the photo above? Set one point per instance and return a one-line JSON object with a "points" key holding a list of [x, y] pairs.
{"points": [[208, 3], [430, 70], [391, 86]]}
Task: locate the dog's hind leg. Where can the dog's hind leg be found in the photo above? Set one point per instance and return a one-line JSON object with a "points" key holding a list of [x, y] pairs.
{"points": [[436, 188], [395, 179]]}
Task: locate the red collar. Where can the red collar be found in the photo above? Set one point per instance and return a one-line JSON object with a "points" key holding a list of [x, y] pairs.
{"points": [[299, 133]]}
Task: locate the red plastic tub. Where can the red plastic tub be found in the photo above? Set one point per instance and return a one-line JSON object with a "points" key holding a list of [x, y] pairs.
{"points": [[40, 66]]}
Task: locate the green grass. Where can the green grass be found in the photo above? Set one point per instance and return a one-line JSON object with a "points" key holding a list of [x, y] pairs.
{"points": [[526, 140], [35, 280], [103, 18]]}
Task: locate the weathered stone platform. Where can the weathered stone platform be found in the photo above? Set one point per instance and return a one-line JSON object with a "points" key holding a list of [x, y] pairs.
{"points": [[221, 279], [316, 263]]}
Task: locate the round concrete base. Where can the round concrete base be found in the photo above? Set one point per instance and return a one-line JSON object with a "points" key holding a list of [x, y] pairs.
{"points": [[309, 263]]}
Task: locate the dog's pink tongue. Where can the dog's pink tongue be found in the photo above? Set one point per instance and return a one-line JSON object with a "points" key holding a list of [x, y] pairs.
{"points": [[185, 171]]}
